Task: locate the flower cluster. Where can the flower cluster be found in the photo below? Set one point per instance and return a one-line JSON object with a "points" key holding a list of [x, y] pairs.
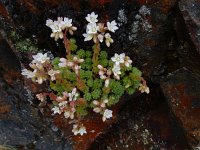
{"points": [[97, 31], [42, 69], [84, 81], [59, 25], [74, 64]]}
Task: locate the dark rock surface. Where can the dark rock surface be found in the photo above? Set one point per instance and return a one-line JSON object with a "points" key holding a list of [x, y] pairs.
{"points": [[145, 123], [191, 12], [21, 124], [148, 52], [182, 91]]}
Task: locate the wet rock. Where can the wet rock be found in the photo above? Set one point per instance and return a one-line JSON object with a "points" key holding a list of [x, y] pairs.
{"points": [[190, 10], [181, 89], [21, 124]]}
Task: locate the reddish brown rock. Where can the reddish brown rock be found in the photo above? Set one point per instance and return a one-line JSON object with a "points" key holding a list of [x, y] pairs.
{"points": [[95, 127], [3, 11], [183, 94]]}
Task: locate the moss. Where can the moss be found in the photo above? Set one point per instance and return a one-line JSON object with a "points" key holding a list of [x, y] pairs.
{"points": [[23, 44]]}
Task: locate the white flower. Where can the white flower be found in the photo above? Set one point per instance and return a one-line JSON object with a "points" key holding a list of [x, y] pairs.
{"points": [[49, 22], [40, 79], [91, 18], [66, 23], [92, 28], [56, 110], [99, 106], [144, 88], [56, 26], [118, 58], [62, 104], [70, 113], [108, 39], [63, 62], [76, 60], [88, 37], [28, 73], [100, 38], [42, 58], [57, 35], [52, 74], [107, 81], [79, 129], [116, 70], [107, 114], [41, 97], [73, 95], [59, 25], [112, 26], [127, 61]]}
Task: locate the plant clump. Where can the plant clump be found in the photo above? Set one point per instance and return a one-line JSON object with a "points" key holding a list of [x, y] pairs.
{"points": [[84, 80]]}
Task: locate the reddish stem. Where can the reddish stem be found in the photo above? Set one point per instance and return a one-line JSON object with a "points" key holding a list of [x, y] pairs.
{"points": [[67, 44]]}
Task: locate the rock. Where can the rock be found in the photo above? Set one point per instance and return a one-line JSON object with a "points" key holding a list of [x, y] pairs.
{"points": [[181, 89], [29, 19], [145, 123], [3, 11], [21, 124], [190, 10]]}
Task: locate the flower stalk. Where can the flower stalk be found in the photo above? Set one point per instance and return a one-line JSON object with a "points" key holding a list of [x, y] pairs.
{"points": [[96, 50], [67, 45]]}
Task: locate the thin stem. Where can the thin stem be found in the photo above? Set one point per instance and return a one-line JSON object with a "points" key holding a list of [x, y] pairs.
{"points": [[67, 44], [95, 55]]}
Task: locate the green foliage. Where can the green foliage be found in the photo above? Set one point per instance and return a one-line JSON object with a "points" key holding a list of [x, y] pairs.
{"points": [[73, 45], [94, 89], [103, 62], [103, 55], [136, 73], [130, 90], [69, 75], [90, 82], [98, 83], [81, 53], [117, 88], [113, 99], [96, 94], [81, 110], [88, 54], [55, 63], [87, 96], [85, 74]]}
